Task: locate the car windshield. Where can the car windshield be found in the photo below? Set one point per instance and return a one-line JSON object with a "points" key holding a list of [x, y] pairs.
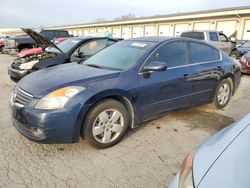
{"points": [[246, 45], [65, 46], [120, 56]]}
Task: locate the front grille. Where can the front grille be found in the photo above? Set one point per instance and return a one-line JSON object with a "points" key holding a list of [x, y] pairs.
{"points": [[21, 97]]}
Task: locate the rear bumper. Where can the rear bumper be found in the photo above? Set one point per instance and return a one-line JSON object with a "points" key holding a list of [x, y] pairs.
{"points": [[17, 74]]}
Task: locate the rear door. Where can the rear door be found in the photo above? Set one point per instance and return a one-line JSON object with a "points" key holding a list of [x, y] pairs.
{"points": [[206, 65], [166, 90]]}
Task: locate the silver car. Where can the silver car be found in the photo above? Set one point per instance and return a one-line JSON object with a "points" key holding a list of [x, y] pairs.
{"points": [[222, 161], [215, 38]]}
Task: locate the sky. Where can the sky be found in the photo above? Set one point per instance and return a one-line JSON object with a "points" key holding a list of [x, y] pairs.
{"points": [[45, 13]]}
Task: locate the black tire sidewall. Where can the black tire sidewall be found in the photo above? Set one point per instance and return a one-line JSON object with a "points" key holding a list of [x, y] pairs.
{"points": [[94, 112], [216, 103]]}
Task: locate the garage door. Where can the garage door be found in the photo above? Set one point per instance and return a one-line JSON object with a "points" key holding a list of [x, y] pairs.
{"points": [[179, 28], [246, 34], [126, 33], [100, 30], [116, 32], [92, 31], [227, 27], [201, 26], [164, 30], [86, 32], [149, 31], [137, 32], [75, 33], [80, 32]]}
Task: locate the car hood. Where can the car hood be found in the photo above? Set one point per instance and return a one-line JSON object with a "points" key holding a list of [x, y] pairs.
{"points": [[42, 82], [209, 152], [41, 40]]}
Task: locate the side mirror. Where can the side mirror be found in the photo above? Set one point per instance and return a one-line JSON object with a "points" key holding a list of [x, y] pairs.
{"points": [[155, 66]]}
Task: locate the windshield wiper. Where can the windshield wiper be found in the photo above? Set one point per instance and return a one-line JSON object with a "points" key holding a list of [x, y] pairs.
{"points": [[93, 65]]}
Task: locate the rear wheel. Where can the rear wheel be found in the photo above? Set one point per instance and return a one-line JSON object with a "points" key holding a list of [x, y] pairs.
{"points": [[105, 124], [1, 49], [223, 94]]}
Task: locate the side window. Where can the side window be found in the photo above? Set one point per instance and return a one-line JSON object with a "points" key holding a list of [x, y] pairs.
{"points": [[173, 54], [213, 36], [61, 34], [92, 47], [110, 42], [223, 38], [202, 53]]}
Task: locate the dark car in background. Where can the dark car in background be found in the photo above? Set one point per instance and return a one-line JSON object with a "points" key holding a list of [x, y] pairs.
{"points": [[72, 49], [121, 86], [242, 49], [221, 161], [14, 45]]}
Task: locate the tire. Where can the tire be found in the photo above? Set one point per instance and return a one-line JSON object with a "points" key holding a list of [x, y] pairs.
{"points": [[1, 49], [98, 128], [223, 94]]}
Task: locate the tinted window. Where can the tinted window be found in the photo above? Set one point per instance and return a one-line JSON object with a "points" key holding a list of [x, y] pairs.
{"points": [[61, 34], [48, 34], [213, 36], [121, 55], [223, 38], [194, 35], [202, 53], [92, 47], [174, 54]]}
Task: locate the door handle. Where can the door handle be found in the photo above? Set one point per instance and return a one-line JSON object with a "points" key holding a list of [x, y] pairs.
{"points": [[185, 76]]}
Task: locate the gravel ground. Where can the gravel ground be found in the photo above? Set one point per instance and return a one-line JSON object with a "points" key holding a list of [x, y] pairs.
{"points": [[147, 157]]}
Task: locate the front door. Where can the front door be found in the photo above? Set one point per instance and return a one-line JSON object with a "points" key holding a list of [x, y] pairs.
{"points": [[162, 91]]}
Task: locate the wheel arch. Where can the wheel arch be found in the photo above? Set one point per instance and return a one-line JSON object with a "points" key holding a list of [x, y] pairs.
{"points": [[119, 95]]}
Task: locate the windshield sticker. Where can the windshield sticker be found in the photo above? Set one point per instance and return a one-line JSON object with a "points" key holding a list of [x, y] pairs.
{"points": [[75, 41], [137, 44]]}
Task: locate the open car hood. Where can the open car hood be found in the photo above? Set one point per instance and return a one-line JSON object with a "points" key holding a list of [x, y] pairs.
{"points": [[41, 40]]}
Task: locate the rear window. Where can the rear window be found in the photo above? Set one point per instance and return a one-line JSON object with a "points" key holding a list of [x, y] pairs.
{"points": [[203, 53], [194, 35], [213, 36]]}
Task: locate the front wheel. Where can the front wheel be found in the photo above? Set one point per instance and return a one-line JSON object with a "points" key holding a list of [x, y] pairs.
{"points": [[105, 124], [223, 94]]}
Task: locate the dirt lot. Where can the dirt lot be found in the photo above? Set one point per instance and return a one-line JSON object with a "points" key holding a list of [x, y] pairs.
{"points": [[146, 157]]}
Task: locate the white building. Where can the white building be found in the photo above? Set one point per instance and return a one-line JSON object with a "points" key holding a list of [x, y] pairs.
{"points": [[228, 20]]}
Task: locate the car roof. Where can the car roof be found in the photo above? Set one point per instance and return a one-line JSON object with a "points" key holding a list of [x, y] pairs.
{"points": [[153, 39], [91, 37]]}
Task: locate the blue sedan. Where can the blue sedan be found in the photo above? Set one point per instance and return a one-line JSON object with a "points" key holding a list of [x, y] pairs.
{"points": [[120, 87], [222, 161]]}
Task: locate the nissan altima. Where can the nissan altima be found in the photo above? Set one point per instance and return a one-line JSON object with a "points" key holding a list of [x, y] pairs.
{"points": [[119, 87]]}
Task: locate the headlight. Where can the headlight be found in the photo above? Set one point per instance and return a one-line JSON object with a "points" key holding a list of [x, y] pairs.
{"points": [[243, 59], [186, 174], [28, 65], [57, 99]]}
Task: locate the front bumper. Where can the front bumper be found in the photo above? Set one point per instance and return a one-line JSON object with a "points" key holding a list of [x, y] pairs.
{"points": [[11, 51], [17, 74], [57, 126]]}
